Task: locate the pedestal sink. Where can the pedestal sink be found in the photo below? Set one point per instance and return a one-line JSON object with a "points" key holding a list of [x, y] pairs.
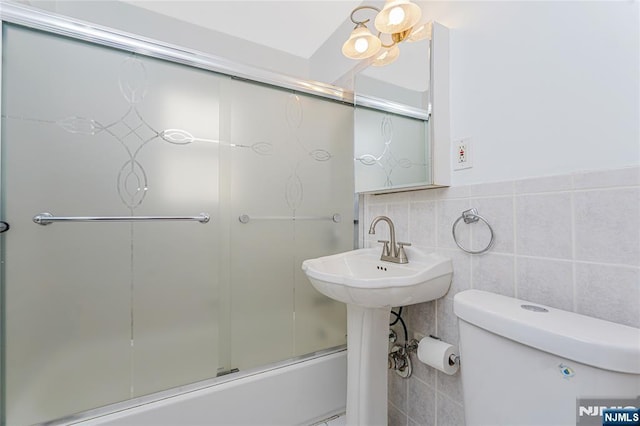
{"points": [[370, 288]]}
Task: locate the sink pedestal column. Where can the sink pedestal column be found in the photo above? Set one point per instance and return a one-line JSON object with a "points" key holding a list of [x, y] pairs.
{"points": [[367, 364]]}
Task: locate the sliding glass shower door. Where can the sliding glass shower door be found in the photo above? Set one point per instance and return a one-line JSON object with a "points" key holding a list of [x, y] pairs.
{"points": [[130, 290], [101, 312], [290, 198]]}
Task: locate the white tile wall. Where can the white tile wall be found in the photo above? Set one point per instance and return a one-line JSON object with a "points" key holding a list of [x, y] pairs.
{"points": [[494, 273], [569, 241], [421, 402], [543, 225], [448, 210], [545, 281], [501, 212], [603, 290], [422, 223], [606, 226]]}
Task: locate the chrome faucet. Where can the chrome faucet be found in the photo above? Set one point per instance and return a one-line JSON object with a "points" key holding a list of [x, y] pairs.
{"points": [[391, 252]]}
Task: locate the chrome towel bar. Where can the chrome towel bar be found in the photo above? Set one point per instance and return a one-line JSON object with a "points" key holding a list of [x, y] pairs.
{"points": [[245, 218], [47, 218]]}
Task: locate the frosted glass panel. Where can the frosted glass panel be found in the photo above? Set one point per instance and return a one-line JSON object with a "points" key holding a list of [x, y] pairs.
{"points": [[262, 293], [391, 151], [176, 265], [101, 312], [67, 287], [291, 172], [327, 180], [320, 321]]}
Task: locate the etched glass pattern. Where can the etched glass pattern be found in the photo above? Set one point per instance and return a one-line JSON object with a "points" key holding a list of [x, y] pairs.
{"points": [[310, 174], [391, 151], [97, 313]]}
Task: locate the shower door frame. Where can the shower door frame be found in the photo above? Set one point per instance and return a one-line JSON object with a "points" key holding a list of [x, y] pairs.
{"points": [[37, 19], [48, 22]]}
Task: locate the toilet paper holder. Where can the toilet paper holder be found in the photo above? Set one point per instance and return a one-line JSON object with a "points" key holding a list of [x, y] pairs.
{"points": [[453, 358], [413, 344], [400, 362]]}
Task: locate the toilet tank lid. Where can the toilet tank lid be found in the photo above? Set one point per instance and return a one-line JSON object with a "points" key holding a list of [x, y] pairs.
{"points": [[584, 339]]}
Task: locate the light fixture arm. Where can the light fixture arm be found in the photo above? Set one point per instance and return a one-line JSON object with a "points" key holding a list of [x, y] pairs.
{"points": [[393, 43], [364, 23], [362, 8]]}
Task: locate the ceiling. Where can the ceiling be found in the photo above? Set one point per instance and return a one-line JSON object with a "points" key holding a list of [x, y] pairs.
{"points": [[298, 27]]}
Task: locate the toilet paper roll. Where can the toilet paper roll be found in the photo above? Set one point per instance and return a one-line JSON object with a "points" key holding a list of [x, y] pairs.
{"points": [[439, 355]]}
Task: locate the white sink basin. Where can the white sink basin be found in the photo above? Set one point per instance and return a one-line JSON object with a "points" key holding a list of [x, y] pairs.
{"points": [[370, 288], [359, 277]]}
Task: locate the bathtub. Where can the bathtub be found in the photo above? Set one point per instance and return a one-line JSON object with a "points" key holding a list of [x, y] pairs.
{"points": [[298, 392]]}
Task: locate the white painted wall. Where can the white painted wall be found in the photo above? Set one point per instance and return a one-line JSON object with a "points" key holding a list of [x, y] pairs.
{"points": [[136, 20], [543, 88]]}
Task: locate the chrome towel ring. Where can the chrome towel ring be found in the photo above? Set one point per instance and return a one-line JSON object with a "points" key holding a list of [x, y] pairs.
{"points": [[472, 216]]}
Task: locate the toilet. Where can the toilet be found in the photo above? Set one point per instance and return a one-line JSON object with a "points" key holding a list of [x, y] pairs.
{"points": [[527, 364]]}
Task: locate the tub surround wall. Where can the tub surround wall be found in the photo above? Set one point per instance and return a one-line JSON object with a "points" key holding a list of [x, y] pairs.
{"points": [[566, 241]]}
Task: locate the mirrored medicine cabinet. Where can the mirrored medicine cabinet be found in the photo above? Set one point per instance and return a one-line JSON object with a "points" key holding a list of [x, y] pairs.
{"points": [[401, 120]]}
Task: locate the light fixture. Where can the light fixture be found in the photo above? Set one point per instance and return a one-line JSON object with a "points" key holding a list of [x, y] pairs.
{"points": [[398, 19], [361, 43], [397, 16], [386, 56], [420, 32]]}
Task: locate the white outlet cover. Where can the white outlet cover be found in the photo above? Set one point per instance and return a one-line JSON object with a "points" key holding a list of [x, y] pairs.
{"points": [[461, 154]]}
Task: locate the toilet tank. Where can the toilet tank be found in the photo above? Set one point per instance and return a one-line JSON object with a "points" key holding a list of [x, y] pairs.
{"points": [[528, 364]]}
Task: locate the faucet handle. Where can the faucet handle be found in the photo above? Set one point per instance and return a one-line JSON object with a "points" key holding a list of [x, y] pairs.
{"points": [[385, 247], [402, 256]]}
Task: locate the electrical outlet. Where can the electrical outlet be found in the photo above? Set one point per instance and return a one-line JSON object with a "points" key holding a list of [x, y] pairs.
{"points": [[462, 154]]}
